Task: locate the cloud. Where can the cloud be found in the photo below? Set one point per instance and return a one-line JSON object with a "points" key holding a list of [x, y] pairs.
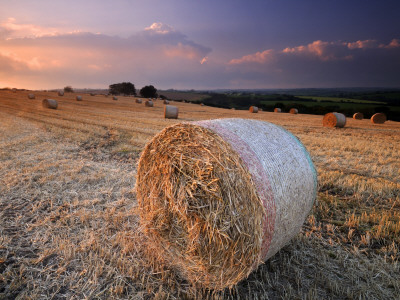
{"points": [[85, 59], [321, 63]]}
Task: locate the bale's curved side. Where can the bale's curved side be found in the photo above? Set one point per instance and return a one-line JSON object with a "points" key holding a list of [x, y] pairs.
{"points": [[334, 119], [358, 116], [138, 100], [253, 109], [378, 118], [277, 110], [171, 112], [214, 225], [50, 103], [149, 103], [78, 98], [294, 111], [31, 96]]}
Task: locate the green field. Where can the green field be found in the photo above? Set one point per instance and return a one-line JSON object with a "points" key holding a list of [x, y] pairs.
{"points": [[338, 99]]}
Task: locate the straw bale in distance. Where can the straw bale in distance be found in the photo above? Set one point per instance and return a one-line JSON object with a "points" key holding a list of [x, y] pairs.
{"points": [[92, 94], [31, 96], [214, 202], [358, 116], [138, 100], [334, 119], [149, 103], [115, 98], [378, 118], [170, 112], [166, 102], [60, 93], [78, 98], [294, 111], [50, 103], [277, 110], [253, 109]]}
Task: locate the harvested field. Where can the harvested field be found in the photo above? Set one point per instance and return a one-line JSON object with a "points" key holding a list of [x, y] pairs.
{"points": [[69, 217]]}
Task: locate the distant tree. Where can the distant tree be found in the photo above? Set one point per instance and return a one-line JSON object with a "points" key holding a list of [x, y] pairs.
{"points": [[126, 88], [163, 97], [68, 89], [148, 91]]}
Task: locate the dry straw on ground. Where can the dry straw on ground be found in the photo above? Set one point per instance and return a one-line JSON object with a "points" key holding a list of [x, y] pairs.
{"points": [[138, 100], [60, 93], [31, 96], [378, 118], [334, 119], [50, 103], [253, 109], [78, 98], [219, 197], [294, 111], [277, 110], [171, 112], [149, 103], [358, 116]]}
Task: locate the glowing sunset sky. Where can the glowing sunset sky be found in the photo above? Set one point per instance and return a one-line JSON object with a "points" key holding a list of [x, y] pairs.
{"points": [[205, 44]]}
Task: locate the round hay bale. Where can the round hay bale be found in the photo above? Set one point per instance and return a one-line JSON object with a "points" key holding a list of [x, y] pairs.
{"points": [[92, 94], [149, 103], [201, 104], [166, 102], [78, 98], [358, 116], [60, 93], [138, 100], [170, 112], [14, 90], [277, 110], [31, 96], [334, 119], [50, 103], [253, 109], [219, 197], [115, 98], [294, 111], [378, 118]]}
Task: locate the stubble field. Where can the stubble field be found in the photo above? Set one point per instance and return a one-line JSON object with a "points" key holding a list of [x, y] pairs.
{"points": [[69, 227]]}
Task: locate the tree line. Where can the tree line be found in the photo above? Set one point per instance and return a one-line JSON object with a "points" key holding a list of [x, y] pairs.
{"points": [[128, 88]]}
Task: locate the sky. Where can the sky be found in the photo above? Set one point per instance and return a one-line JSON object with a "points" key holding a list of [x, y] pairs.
{"points": [[208, 44]]}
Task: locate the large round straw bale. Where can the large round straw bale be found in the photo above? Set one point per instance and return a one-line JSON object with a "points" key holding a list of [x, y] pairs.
{"points": [[253, 109], [92, 94], [115, 98], [138, 100], [60, 93], [294, 111], [358, 116], [14, 90], [219, 197], [277, 110], [166, 102], [170, 112], [78, 98], [334, 119], [50, 103], [31, 96], [378, 118], [149, 103]]}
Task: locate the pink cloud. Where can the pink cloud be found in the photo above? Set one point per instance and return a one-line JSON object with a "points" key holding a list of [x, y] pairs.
{"points": [[363, 44], [258, 57]]}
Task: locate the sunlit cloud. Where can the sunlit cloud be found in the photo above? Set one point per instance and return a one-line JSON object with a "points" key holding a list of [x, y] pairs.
{"points": [[159, 28]]}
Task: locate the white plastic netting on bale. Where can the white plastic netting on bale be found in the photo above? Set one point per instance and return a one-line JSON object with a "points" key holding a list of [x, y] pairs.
{"points": [[219, 197]]}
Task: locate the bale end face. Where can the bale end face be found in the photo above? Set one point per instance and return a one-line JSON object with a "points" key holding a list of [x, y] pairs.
{"points": [[358, 116], [378, 118], [60, 93], [50, 103], [31, 96], [166, 102], [294, 111], [149, 103], [334, 119], [78, 98], [277, 110], [115, 98], [138, 100]]}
